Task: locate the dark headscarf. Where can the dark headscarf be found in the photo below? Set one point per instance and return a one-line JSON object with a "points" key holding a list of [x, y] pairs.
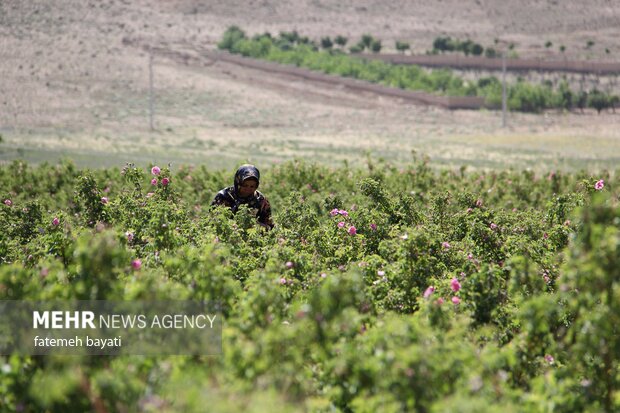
{"points": [[244, 172]]}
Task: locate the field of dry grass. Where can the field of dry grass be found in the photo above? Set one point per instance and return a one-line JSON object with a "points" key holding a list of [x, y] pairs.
{"points": [[75, 83]]}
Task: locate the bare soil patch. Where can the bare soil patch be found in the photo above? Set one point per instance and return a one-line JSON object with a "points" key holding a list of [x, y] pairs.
{"points": [[75, 82]]}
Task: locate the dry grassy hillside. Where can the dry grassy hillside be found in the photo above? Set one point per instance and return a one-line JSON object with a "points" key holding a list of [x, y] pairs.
{"points": [[75, 81]]}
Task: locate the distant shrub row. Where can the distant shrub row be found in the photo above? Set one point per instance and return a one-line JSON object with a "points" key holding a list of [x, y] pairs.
{"points": [[292, 49], [448, 44], [443, 44]]}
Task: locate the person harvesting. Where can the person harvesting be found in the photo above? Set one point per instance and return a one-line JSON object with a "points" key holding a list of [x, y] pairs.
{"points": [[244, 192]]}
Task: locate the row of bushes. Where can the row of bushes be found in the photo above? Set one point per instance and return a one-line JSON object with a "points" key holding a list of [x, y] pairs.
{"points": [[383, 288], [448, 44], [522, 96]]}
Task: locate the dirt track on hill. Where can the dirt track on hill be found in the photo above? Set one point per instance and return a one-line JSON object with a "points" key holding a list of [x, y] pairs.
{"points": [[207, 57]]}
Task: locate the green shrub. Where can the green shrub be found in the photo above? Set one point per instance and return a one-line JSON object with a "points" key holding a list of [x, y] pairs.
{"points": [[231, 36], [402, 46], [400, 289]]}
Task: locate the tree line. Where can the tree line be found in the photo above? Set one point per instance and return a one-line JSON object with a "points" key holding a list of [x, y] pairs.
{"points": [[294, 49]]}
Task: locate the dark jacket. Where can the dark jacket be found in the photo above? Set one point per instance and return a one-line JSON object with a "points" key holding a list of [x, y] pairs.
{"points": [[230, 196]]}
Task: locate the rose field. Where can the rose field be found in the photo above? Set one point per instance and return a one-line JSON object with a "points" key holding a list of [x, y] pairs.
{"points": [[382, 288]]}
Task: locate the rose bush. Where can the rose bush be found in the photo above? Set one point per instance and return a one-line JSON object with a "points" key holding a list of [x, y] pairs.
{"points": [[440, 291]]}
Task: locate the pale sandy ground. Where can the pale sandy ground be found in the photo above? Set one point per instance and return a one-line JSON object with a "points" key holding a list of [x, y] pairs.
{"points": [[74, 82]]}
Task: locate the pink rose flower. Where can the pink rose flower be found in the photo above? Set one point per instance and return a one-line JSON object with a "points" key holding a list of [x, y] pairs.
{"points": [[155, 170], [289, 265], [455, 285], [104, 200], [8, 202], [55, 221], [456, 300], [165, 181], [430, 290], [341, 224], [283, 281], [493, 226], [600, 184], [445, 245], [373, 227], [333, 212], [136, 264], [343, 213], [352, 230], [154, 181]]}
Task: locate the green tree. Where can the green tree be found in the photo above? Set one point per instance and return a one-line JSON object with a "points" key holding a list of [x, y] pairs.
{"points": [[402, 46], [582, 100], [528, 98], [465, 46], [291, 37], [598, 100], [443, 44], [477, 49], [231, 36], [564, 96], [366, 41], [341, 40], [375, 46], [490, 52]]}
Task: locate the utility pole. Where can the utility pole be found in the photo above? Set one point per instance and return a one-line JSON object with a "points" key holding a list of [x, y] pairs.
{"points": [[151, 97], [504, 103]]}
